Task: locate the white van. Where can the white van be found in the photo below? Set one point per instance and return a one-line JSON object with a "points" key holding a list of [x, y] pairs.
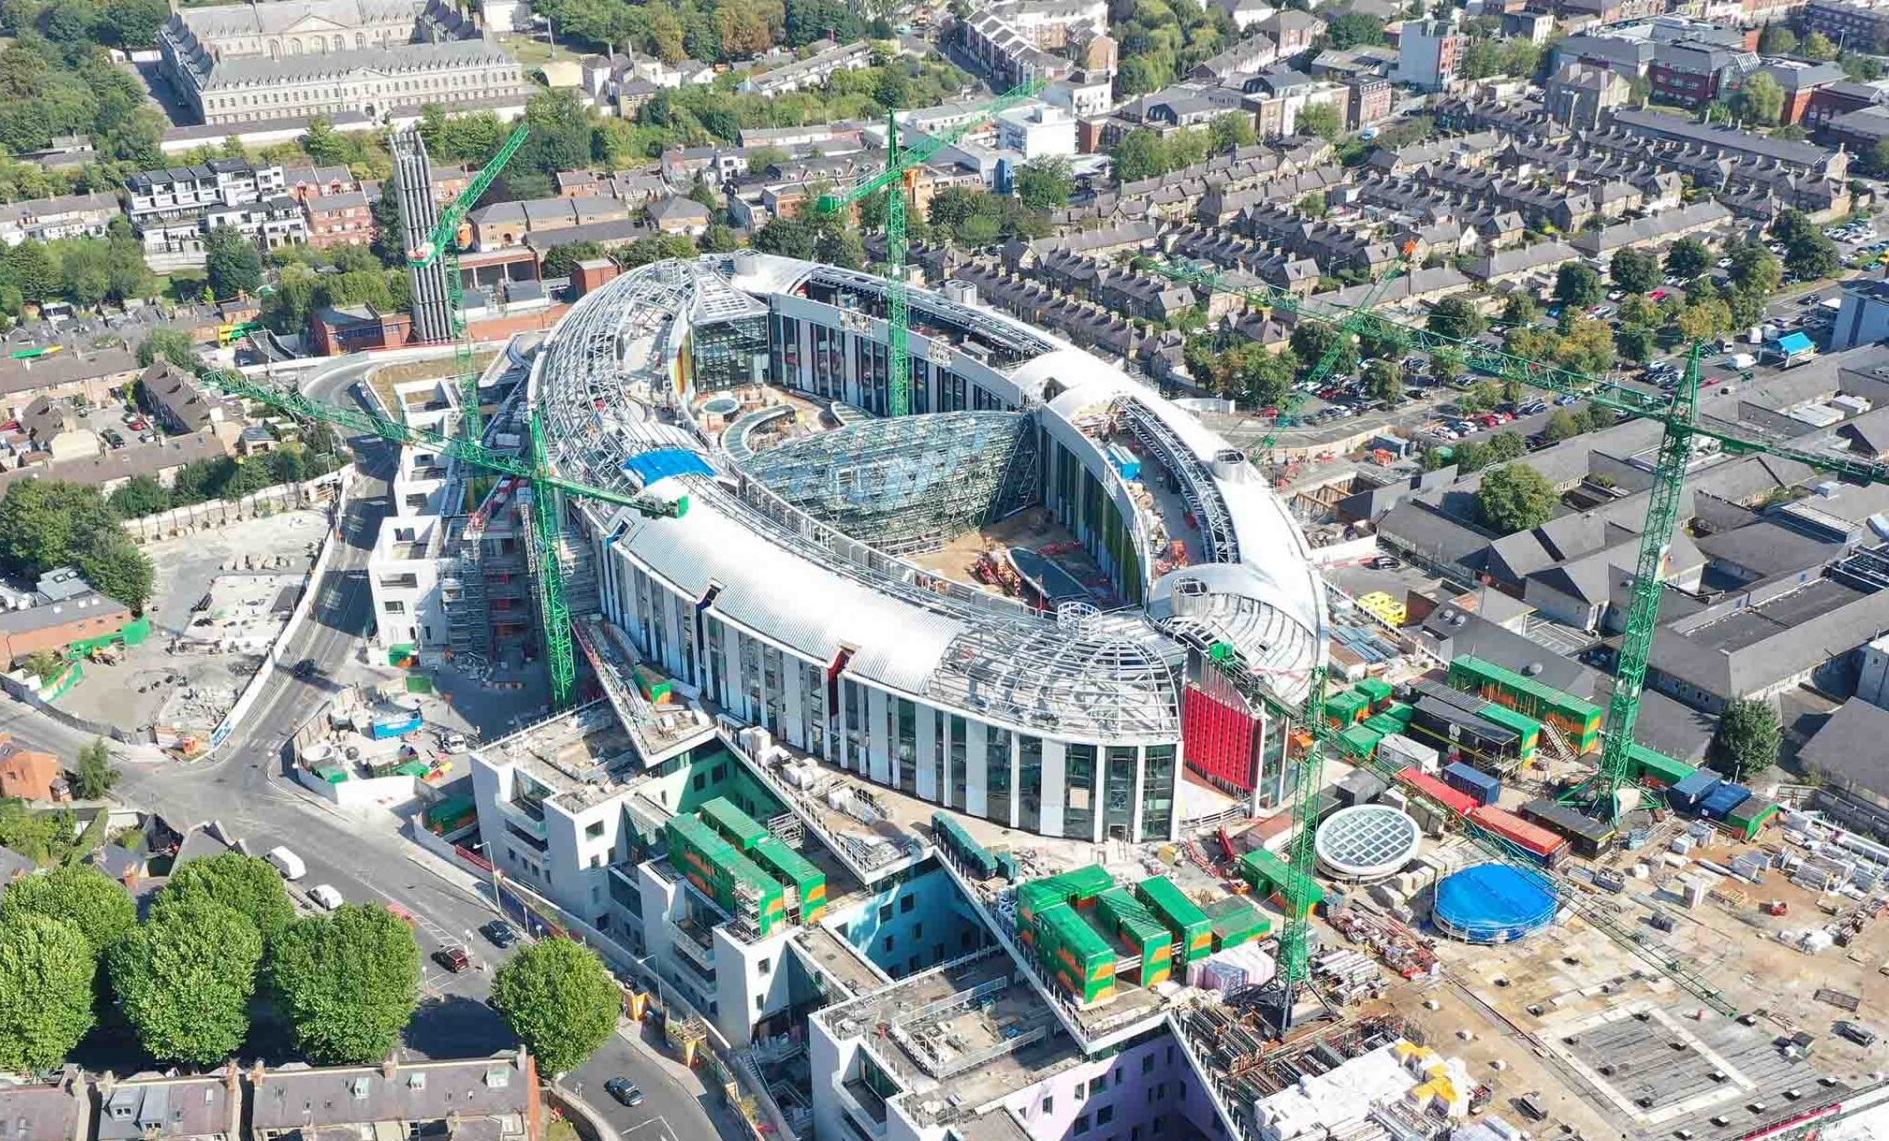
{"points": [[288, 863]]}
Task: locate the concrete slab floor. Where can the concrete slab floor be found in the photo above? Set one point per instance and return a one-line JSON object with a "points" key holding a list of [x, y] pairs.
{"points": [[129, 694]]}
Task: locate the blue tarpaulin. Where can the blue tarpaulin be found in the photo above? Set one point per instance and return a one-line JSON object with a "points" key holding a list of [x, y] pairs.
{"points": [[665, 462], [1792, 344]]}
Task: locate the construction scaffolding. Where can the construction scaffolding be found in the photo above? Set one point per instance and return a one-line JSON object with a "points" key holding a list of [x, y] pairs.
{"points": [[912, 483]]}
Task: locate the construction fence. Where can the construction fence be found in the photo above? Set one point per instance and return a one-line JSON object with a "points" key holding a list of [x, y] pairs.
{"points": [[208, 516]]}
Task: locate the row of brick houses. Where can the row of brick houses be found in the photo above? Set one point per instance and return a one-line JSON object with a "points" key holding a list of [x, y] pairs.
{"points": [[473, 1099]]}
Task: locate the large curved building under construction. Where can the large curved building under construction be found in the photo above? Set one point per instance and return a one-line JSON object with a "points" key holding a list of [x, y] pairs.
{"points": [[1001, 603]]}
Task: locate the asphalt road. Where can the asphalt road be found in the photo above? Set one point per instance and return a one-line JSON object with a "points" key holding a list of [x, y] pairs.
{"points": [[668, 1113], [245, 787]]}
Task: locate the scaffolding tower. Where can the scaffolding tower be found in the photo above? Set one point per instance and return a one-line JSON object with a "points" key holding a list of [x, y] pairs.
{"points": [[419, 214]]}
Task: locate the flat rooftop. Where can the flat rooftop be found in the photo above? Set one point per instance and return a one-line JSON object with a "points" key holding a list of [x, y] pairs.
{"points": [[942, 1027], [1754, 625], [576, 755], [837, 958]]}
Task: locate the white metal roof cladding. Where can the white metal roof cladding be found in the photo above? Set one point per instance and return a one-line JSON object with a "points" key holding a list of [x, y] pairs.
{"points": [[794, 581], [1368, 840]]}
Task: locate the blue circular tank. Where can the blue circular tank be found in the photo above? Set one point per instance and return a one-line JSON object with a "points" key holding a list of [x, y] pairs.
{"points": [[1491, 903]]}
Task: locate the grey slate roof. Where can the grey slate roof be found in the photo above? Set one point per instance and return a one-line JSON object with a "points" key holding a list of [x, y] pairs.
{"points": [[1850, 746], [1766, 548], [467, 1089], [148, 1106], [38, 1112]]}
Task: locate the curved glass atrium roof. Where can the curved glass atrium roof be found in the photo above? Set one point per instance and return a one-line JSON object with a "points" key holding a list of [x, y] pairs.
{"points": [[912, 483]]}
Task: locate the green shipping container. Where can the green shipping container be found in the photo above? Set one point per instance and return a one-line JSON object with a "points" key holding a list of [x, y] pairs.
{"points": [[1383, 724], [1578, 720], [1070, 949], [1273, 877], [1077, 886], [1528, 727], [1236, 921], [790, 867], [1377, 689], [1192, 929], [1749, 818], [1136, 926], [1649, 765], [1347, 707], [1400, 713], [1359, 741], [740, 829]]}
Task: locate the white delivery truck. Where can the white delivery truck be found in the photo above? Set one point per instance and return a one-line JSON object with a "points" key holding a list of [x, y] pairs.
{"points": [[1742, 361], [288, 863]]}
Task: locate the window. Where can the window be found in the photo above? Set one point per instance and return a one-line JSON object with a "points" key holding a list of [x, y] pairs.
{"points": [[1082, 1124], [593, 830], [1159, 1124], [888, 942], [905, 905], [1049, 1103], [1147, 1064], [918, 930], [1098, 1084], [885, 913], [766, 966], [1105, 1115], [1134, 1133], [394, 607]]}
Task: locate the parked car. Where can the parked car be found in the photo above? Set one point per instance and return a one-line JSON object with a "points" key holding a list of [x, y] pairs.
{"points": [[499, 933], [324, 897], [304, 669], [1386, 562], [625, 1091], [1855, 1032], [454, 959]]}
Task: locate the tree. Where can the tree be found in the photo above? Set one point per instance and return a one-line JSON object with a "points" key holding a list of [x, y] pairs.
{"points": [[115, 566], [171, 343], [348, 983], [1140, 154], [1230, 131], [390, 236], [1384, 380], [1755, 270], [1520, 309], [1777, 40], [718, 239], [41, 520], [1353, 29], [185, 977], [844, 249], [1506, 446], [560, 1001], [46, 987], [247, 885], [1045, 183], [1747, 739], [1577, 286], [1313, 206], [1446, 364], [1457, 318], [1705, 321], [563, 259], [1687, 258], [1323, 120], [232, 263], [1636, 271], [1561, 425], [1515, 497], [94, 778], [46, 664], [1817, 47], [95, 904], [1311, 340], [1761, 99], [1812, 257], [1636, 342], [788, 237]]}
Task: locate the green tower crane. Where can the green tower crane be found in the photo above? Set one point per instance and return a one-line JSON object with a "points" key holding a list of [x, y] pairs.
{"points": [[554, 608], [901, 170], [443, 246], [1600, 794]]}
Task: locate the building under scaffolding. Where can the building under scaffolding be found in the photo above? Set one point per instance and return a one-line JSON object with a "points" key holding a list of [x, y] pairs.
{"points": [[909, 484]]}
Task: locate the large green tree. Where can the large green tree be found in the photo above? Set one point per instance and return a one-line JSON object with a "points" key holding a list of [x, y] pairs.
{"points": [[184, 979], [247, 885], [1514, 497], [232, 263], [1312, 340], [95, 904], [43, 520], [559, 999], [1747, 739], [93, 776], [1578, 286], [1761, 99], [46, 973], [348, 983], [1687, 258], [116, 566], [1456, 317], [171, 343], [1045, 183], [1636, 271]]}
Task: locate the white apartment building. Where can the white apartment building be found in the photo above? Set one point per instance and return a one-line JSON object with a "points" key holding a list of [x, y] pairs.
{"points": [[1037, 130], [174, 210], [403, 573]]}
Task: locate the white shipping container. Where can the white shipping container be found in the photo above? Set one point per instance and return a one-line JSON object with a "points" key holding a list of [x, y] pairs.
{"points": [[1398, 748]]}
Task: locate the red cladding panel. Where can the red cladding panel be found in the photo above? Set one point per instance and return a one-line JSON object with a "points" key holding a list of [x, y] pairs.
{"points": [[1220, 740]]}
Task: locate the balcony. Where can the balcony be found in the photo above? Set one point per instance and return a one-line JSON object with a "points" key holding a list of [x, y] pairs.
{"points": [[863, 1105], [694, 943]]}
